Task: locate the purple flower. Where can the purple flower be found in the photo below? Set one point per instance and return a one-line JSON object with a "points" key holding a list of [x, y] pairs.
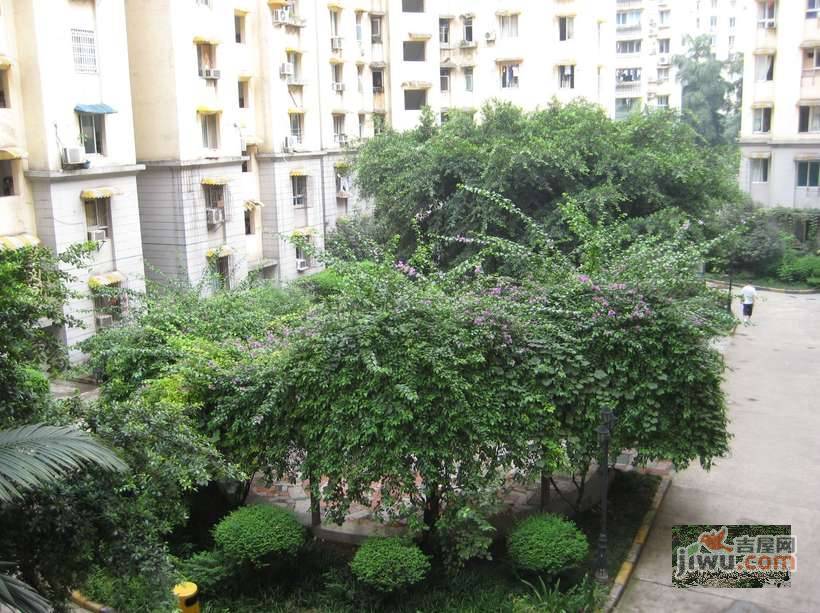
{"points": [[478, 270], [583, 278], [611, 313]]}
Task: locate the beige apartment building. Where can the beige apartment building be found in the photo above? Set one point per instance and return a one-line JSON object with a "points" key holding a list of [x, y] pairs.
{"points": [[780, 131], [67, 157]]}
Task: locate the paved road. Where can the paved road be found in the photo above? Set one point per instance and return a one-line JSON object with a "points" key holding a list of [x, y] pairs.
{"points": [[772, 475]]}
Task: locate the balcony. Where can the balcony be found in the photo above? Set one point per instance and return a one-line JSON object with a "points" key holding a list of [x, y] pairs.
{"points": [[631, 28], [628, 88], [810, 84]]}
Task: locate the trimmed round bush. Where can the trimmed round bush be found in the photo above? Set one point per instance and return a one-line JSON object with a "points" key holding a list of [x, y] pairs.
{"points": [[389, 564], [547, 544], [258, 533]]}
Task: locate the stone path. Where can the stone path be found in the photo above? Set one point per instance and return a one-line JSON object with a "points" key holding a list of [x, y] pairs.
{"points": [[772, 475]]}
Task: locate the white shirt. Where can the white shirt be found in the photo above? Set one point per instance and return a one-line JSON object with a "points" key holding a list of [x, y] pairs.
{"points": [[748, 293]]}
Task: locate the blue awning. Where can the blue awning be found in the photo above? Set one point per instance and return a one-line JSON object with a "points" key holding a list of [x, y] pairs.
{"points": [[101, 109]]}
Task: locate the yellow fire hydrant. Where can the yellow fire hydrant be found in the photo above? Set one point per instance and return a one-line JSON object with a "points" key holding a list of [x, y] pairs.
{"points": [[188, 595]]}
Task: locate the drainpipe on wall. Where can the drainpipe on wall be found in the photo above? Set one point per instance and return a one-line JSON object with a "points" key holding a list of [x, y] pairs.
{"points": [[321, 142]]}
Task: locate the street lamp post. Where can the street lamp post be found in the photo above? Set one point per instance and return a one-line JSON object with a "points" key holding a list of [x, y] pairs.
{"points": [[604, 434]]}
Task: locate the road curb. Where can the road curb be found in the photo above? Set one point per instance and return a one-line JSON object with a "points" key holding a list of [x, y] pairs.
{"points": [[777, 290], [81, 601], [625, 572]]}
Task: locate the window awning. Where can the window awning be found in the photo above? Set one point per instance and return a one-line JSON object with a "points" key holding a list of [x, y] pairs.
{"points": [[99, 192], [250, 205], [509, 60], [759, 155], [336, 60], [762, 105], [279, 3], [808, 102], [18, 241], [292, 50], [565, 13], [810, 44], [108, 278], [220, 252], [764, 51], [418, 36], [507, 13], [378, 64], [295, 111], [210, 40], [99, 109], [12, 153], [416, 85], [240, 12], [334, 6], [807, 157], [214, 181], [208, 109], [298, 173], [566, 62], [5, 61]]}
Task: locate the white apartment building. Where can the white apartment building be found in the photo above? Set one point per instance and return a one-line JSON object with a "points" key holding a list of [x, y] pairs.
{"points": [[242, 111], [721, 20], [67, 156], [780, 129]]}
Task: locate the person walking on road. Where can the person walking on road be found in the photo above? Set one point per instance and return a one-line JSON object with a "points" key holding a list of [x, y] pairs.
{"points": [[747, 298]]}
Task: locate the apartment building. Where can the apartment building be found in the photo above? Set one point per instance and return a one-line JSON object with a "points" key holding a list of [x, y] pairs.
{"points": [[780, 128], [67, 159], [720, 20]]}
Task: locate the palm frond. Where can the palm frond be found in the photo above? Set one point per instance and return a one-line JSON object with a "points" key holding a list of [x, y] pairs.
{"points": [[20, 597], [32, 456]]}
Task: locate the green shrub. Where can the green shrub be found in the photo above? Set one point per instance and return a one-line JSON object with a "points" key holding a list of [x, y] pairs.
{"points": [[389, 564], [799, 268], [129, 593], [258, 533], [547, 544], [584, 597], [208, 569]]}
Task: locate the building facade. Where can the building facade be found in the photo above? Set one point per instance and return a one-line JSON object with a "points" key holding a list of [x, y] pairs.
{"points": [[68, 160], [780, 129]]}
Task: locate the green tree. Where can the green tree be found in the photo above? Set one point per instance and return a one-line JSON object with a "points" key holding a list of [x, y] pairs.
{"points": [[711, 91]]}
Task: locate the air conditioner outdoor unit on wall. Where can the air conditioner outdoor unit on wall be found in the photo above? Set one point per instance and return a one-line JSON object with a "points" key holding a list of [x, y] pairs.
{"points": [[286, 69], [214, 216], [290, 143], [96, 235], [489, 37], [212, 73], [338, 87], [301, 265], [336, 43], [104, 321], [74, 155]]}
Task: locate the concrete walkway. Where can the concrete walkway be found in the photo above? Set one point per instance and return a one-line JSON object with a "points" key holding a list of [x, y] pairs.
{"points": [[772, 475]]}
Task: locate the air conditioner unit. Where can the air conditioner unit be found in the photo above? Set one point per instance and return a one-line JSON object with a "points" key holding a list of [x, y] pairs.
{"points": [[287, 69], [74, 155], [489, 37], [213, 73], [281, 15], [97, 235], [214, 216], [290, 143], [302, 265], [664, 59], [104, 321], [336, 43], [338, 87]]}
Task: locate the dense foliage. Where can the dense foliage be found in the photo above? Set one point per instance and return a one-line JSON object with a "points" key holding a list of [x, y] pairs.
{"points": [[256, 534], [645, 164], [389, 564], [547, 544]]}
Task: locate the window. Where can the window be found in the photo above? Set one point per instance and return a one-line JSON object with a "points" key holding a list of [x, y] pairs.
{"points": [[412, 6], [468, 29], [731, 42], [566, 77], [246, 164], [8, 172], [302, 253], [765, 14], [376, 30], [808, 174], [298, 186], [697, 23], [239, 28], [359, 34], [295, 59], [250, 225], [628, 46], [444, 78], [809, 119], [468, 79], [663, 102], [361, 125], [4, 89], [713, 41], [628, 19], [444, 31], [339, 136], [508, 24], [378, 81], [379, 123], [663, 75], [214, 197], [206, 3], [297, 123], [762, 120], [732, 23], [244, 102], [664, 17], [663, 45], [341, 207], [509, 76], [713, 23], [84, 46], [210, 131], [92, 132], [334, 23], [97, 216], [813, 9], [414, 51], [627, 75], [714, 4], [443, 117], [624, 106], [205, 57], [414, 99], [764, 67], [223, 272], [360, 79], [109, 300], [566, 27], [760, 170], [337, 74]]}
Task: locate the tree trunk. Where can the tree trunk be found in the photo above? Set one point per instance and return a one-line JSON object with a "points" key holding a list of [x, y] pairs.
{"points": [[729, 299], [432, 508], [315, 499], [246, 489], [545, 491]]}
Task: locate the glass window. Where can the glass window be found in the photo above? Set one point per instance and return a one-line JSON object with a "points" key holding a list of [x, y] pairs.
{"points": [[809, 119], [762, 120], [663, 102], [414, 99], [663, 45], [509, 76], [8, 174], [808, 174], [334, 23], [468, 79], [239, 28], [210, 131], [444, 31], [713, 23], [764, 67], [359, 28], [566, 26], [97, 215], [412, 6], [244, 102], [766, 14], [298, 185], [249, 222], [84, 47], [361, 125], [566, 75], [509, 26], [760, 170], [378, 81], [627, 75], [376, 30], [414, 51], [360, 79], [468, 29], [628, 46], [92, 130], [444, 78], [297, 126], [339, 135], [813, 9], [626, 19], [663, 75], [5, 99], [664, 17]]}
